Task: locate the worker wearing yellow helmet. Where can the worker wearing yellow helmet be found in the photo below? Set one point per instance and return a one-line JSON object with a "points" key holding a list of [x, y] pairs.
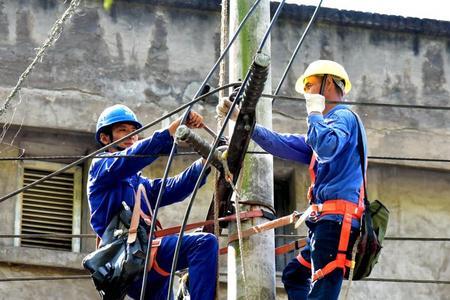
{"points": [[335, 149]]}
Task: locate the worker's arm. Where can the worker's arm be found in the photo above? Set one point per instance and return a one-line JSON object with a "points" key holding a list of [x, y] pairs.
{"points": [[112, 167], [178, 187], [287, 146], [327, 137]]}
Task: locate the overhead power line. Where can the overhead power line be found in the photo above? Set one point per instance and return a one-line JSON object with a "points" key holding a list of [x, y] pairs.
{"points": [[66, 157], [358, 103]]}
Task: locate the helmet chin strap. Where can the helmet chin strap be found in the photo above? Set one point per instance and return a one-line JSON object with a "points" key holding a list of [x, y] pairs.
{"points": [[115, 146], [322, 85]]}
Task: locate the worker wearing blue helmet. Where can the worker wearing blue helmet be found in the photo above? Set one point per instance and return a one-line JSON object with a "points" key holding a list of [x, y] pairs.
{"points": [[113, 179]]}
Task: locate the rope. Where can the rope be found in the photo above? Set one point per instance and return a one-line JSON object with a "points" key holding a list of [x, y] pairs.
{"points": [[352, 269], [239, 231], [54, 35], [223, 41]]}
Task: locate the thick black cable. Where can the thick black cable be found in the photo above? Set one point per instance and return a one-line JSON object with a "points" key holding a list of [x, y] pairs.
{"points": [[86, 157], [297, 48], [412, 106], [173, 150], [213, 148]]}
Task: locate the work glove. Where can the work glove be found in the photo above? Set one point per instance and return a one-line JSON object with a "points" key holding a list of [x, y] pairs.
{"points": [[224, 106], [315, 103]]}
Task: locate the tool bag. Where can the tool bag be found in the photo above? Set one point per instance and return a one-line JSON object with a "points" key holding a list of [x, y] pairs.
{"points": [[373, 230], [120, 258], [374, 224]]}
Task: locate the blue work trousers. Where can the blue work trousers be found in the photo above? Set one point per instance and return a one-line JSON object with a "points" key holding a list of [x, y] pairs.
{"points": [[321, 249], [198, 252]]}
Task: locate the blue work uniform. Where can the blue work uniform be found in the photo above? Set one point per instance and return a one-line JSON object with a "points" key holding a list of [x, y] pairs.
{"points": [[115, 179], [334, 140]]}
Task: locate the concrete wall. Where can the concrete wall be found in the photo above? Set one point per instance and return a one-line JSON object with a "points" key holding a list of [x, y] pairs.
{"points": [[151, 55]]}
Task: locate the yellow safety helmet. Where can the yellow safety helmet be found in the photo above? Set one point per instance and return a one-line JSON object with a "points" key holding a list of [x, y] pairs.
{"points": [[322, 67]]}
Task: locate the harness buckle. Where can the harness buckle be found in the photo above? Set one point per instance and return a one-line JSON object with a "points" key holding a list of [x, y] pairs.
{"points": [[315, 213]]}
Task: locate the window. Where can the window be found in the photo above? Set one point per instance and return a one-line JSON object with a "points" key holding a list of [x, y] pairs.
{"points": [[284, 205], [53, 206]]}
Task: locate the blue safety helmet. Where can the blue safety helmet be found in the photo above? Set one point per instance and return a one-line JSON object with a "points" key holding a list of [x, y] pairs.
{"points": [[115, 114]]}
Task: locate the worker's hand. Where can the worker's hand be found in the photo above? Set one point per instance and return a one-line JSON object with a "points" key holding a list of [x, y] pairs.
{"points": [[224, 106], [195, 120], [315, 103]]}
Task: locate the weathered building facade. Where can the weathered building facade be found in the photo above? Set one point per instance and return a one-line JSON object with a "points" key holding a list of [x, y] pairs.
{"points": [[151, 56]]}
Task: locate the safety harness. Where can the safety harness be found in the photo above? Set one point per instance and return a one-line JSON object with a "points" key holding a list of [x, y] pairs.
{"points": [[348, 211]]}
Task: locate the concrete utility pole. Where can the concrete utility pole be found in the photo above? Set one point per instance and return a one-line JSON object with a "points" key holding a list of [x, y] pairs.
{"points": [[256, 180]]}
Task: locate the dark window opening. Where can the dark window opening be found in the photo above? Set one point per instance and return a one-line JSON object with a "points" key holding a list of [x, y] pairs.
{"points": [[284, 205]]}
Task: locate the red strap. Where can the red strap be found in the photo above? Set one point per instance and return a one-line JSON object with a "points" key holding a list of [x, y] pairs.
{"points": [[132, 231], [303, 261], [312, 174], [338, 207], [152, 262], [295, 245], [350, 211], [176, 229], [279, 250]]}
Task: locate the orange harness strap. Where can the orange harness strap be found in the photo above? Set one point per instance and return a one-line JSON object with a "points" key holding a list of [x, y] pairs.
{"points": [[349, 211], [303, 261], [342, 207], [312, 175], [152, 262]]}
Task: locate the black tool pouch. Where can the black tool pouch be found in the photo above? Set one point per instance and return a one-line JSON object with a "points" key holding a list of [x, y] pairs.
{"points": [[116, 264]]}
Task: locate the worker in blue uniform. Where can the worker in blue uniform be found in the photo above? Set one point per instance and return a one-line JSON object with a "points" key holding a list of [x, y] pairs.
{"points": [[331, 148], [113, 179]]}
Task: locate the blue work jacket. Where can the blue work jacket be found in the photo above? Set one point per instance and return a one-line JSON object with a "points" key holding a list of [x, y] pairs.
{"points": [[115, 179], [334, 139]]}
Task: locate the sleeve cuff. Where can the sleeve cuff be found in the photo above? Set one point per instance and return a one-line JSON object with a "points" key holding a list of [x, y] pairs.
{"points": [[314, 118]]}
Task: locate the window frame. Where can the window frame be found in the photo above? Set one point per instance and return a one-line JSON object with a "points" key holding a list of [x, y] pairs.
{"points": [[77, 197]]}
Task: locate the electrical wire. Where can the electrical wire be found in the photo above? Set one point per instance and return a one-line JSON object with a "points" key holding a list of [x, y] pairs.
{"points": [[46, 278], [84, 277], [297, 48], [407, 280], [58, 157], [411, 106]]}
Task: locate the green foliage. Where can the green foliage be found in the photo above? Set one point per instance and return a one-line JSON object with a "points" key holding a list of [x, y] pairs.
{"points": [[107, 4]]}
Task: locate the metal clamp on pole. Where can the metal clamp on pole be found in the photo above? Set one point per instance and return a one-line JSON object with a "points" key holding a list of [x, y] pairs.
{"points": [[199, 144]]}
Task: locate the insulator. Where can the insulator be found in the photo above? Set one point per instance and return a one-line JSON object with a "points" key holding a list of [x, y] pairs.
{"points": [[199, 144]]}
